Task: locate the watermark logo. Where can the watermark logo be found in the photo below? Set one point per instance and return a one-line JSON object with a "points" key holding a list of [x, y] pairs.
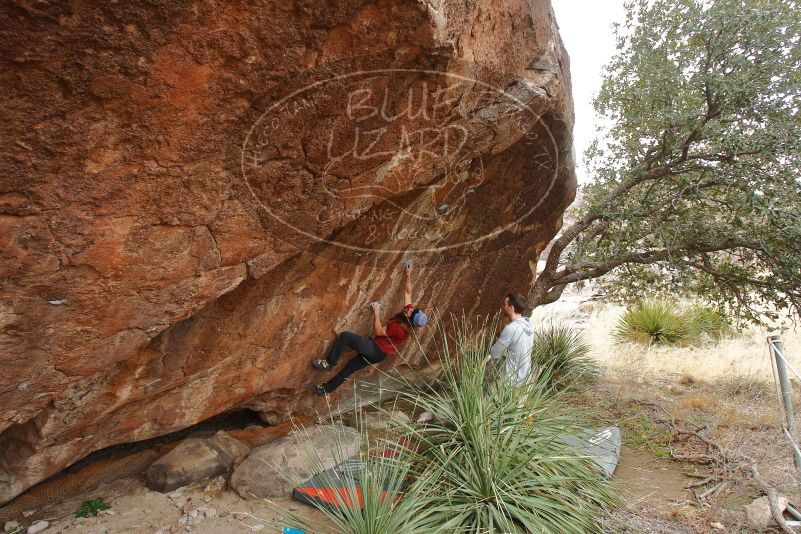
{"points": [[400, 161]]}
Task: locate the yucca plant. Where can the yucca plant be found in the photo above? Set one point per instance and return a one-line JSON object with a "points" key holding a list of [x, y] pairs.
{"points": [[492, 459], [379, 498], [562, 354], [652, 321], [664, 322]]}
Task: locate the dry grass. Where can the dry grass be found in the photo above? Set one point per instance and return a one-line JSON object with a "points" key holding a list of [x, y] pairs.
{"points": [[738, 413], [737, 417], [743, 354], [747, 387], [701, 401], [686, 379]]}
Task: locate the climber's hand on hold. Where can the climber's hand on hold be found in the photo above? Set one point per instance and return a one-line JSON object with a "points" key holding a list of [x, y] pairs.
{"points": [[376, 306]]}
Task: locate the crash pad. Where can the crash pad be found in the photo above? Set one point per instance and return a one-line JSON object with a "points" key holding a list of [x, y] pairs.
{"points": [[339, 486], [602, 446]]}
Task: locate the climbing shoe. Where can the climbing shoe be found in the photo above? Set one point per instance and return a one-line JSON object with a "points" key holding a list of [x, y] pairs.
{"points": [[319, 390], [321, 364]]}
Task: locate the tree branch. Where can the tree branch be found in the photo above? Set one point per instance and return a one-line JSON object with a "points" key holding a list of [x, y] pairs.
{"points": [[729, 277], [590, 270], [575, 229]]}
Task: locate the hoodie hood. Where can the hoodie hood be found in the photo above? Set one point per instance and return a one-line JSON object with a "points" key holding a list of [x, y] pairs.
{"points": [[525, 325]]}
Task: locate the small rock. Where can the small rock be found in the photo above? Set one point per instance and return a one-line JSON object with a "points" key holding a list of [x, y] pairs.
{"points": [[207, 498], [257, 526], [183, 519], [717, 526], [159, 531], [28, 513], [106, 512], [195, 459], [217, 484], [193, 513], [759, 514], [11, 526], [425, 418], [38, 526], [176, 494]]}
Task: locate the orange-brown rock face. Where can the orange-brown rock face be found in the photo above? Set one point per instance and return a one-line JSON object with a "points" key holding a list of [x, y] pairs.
{"points": [[195, 194]]}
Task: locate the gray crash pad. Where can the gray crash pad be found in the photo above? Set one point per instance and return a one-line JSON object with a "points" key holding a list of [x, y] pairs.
{"points": [[601, 446]]}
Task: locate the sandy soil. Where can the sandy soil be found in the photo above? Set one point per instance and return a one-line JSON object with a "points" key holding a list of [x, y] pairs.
{"points": [[648, 481], [741, 416], [136, 509]]}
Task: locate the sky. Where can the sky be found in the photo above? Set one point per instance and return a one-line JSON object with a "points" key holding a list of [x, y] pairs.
{"points": [[586, 29]]}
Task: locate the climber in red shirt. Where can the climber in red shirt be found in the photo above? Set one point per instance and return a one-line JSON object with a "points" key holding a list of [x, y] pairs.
{"points": [[372, 350]]}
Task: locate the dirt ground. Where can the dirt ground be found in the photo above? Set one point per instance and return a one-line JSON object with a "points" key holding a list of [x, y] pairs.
{"points": [[136, 509], [741, 415]]}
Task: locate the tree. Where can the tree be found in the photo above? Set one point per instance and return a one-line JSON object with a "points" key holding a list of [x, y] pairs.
{"points": [[696, 184]]}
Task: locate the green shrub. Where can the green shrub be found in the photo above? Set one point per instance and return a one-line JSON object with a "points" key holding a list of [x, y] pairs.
{"points": [[91, 507], [562, 354], [655, 321], [703, 320], [664, 322]]}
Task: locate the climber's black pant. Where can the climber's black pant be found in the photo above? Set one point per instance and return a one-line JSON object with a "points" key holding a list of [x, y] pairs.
{"points": [[368, 352]]}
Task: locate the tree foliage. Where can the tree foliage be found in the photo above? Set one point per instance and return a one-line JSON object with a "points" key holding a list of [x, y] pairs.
{"points": [[695, 178]]}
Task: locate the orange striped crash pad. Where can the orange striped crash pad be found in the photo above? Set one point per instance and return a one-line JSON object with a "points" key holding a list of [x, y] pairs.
{"points": [[338, 487]]}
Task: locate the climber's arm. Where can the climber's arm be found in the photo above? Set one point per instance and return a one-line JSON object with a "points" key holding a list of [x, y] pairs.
{"points": [[379, 328], [407, 292]]}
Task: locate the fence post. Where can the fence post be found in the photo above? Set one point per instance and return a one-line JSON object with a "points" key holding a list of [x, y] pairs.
{"points": [[775, 343]]}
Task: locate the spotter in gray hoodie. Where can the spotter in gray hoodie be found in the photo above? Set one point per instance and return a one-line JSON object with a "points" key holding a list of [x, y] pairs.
{"points": [[517, 342]]}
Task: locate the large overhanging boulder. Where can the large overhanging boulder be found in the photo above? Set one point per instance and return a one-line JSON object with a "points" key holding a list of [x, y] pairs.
{"points": [[194, 196]]}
